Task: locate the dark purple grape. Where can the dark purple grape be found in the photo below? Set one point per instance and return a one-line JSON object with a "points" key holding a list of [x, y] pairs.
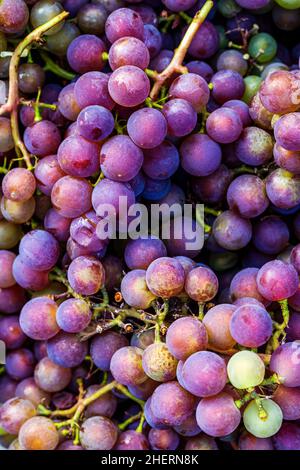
{"points": [[200, 155], [20, 363], [66, 350], [247, 196], [212, 188], [288, 437], [12, 299], [152, 39], [232, 60], [120, 169], [271, 235], [205, 43], [104, 346], [31, 78], [7, 388], [141, 252], [11, 332], [227, 85], [82, 62], [91, 19]]}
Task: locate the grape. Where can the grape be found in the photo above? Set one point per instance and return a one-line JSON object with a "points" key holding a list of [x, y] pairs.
{"points": [[262, 47], [188, 427], [31, 78], [251, 326], [66, 349], [231, 231], [12, 299], [6, 263], [205, 43], [18, 184], [285, 362], [288, 400], [146, 12], [287, 159], [200, 155], [271, 235], [7, 388], [259, 114], [14, 413], [71, 196], [252, 86], [39, 250], [192, 88], [185, 236], [47, 172], [244, 284], [124, 22], [158, 362], [135, 291], [86, 275], [147, 127], [279, 92], [51, 377], [171, 404], [59, 42], [11, 333], [57, 225], [117, 169], [186, 336], [17, 212], [68, 445], [129, 86], [201, 442], [111, 192], [231, 60], [252, 4], [212, 188], [285, 131], [42, 139], [150, 418], [277, 280], [165, 277], [181, 117], [245, 369], [14, 16], [73, 315], [91, 19], [218, 416], [249, 442], [227, 85], [216, 322], [288, 437], [143, 390], [103, 348], [163, 439], [162, 161], [38, 433], [201, 284], [29, 278], [247, 196], [263, 427], [126, 366], [295, 257], [187, 263], [44, 11], [128, 51], [28, 390], [179, 5], [6, 140], [152, 39], [92, 89], [224, 125], [131, 440], [155, 190], [67, 103], [162, 60], [83, 232], [78, 157], [201, 68], [143, 339], [254, 147], [241, 108], [141, 252], [204, 374], [82, 62], [113, 268], [95, 123], [105, 405], [283, 189], [20, 363]]}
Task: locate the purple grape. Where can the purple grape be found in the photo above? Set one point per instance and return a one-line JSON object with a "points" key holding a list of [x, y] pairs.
{"points": [[78, 157], [201, 442], [254, 147], [50, 376], [185, 237], [143, 339], [11, 332], [231, 231], [113, 268], [147, 128], [20, 364], [283, 189], [47, 172], [178, 5], [156, 190], [205, 43], [192, 88], [95, 123], [144, 390], [42, 139], [200, 68], [163, 439], [201, 284], [18, 184], [12, 299], [150, 418], [227, 85], [83, 232], [105, 405], [126, 366], [57, 225], [162, 60], [67, 103], [285, 131], [120, 169], [247, 196], [244, 284], [259, 114], [212, 188], [138, 184], [7, 388], [131, 440], [249, 442], [171, 404], [189, 427], [124, 22], [152, 39], [86, 275], [204, 374], [161, 162], [279, 92], [28, 390], [111, 192], [181, 117], [38, 318], [285, 362], [68, 445], [135, 291], [129, 86], [14, 413], [271, 235], [288, 160], [82, 62], [104, 346], [73, 315], [92, 89], [141, 252], [165, 277], [39, 250], [66, 350], [277, 280], [38, 433], [71, 196], [288, 437], [6, 263], [231, 60], [252, 4], [200, 155], [241, 108], [146, 12], [216, 322], [186, 336], [128, 51], [224, 125], [218, 416], [29, 278], [251, 326], [288, 400], [158, 362]]}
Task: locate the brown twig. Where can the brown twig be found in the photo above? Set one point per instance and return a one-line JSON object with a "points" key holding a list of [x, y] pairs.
{"points": [[176, 63]]}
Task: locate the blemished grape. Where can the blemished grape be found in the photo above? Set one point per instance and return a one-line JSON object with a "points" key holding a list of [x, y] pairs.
{"points": [[131, 440], [201, 284], [251, 326], [279, 92], [217, 322], [81, 62], [50, 376], [218, 416], [244, 284], [165, 277], [283, 189], [66, 349], [126, 366], [143, 339], [78, 157], [247, 196], [158, 362], [285, 362], [245, 369], [38, 433], [129, 86], [18, 184], [17, 212], [135, 291], [86, 275], [14, 413], [28, 390], [14, 15], [266, 426], [98, 433], [128, 51], [186, 336], [254, 147]]}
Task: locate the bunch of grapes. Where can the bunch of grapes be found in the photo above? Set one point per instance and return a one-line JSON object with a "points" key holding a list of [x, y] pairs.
{"points": [[136, 343]]}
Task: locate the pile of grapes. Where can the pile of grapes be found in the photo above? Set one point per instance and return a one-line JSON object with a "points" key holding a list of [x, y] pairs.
{"points": [[134, 344]]}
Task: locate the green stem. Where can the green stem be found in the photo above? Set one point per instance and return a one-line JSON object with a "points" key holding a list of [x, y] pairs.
{"points": [[244, 169], [128, 421], [127, 394], [185, 17], [51, 66], [201, 310], [209, 210], [105, 55], [141, 424], [160, 319]]}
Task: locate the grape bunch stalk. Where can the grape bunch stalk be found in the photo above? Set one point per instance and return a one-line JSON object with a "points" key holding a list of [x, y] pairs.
{"points": [[122, 342]]}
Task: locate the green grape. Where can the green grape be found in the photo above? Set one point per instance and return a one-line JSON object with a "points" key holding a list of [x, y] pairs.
{"points": [[262, 47], [289, 4], [228, 8], [245, 369], [252, 84], [222, 35], [268, 423]]}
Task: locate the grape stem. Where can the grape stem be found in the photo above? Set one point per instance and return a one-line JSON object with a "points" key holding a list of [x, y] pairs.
{"points": [[280, 333], [51, 66], [11, 106], [128, 421], [178, 58], [161, 315]]}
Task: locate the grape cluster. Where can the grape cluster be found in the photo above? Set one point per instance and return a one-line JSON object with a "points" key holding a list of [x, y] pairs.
{"points": [[144, 343]]}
